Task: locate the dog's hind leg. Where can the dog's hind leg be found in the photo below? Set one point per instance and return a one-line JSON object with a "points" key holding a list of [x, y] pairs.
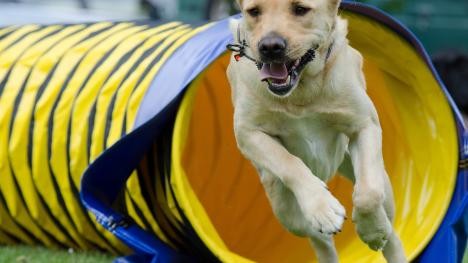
{"points": [[375, 227], [324, 248], [374, 209], [393, 250]]}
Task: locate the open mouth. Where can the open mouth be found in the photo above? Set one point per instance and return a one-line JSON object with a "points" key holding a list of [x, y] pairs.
{"points": [[283, 77]]}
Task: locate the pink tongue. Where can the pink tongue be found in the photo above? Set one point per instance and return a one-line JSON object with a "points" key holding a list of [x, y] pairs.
{"points": [[274, 71]]}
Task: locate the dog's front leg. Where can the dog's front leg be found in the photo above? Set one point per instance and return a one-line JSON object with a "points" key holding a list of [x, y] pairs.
{"points": [[321, 212], [372, 198]]}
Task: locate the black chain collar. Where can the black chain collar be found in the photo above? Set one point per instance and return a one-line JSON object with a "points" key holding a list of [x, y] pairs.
{"points": [[241, 46]]}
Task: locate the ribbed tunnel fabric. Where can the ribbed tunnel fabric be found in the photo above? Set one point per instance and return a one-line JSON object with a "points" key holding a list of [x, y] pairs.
{"points": [[68, 92]]}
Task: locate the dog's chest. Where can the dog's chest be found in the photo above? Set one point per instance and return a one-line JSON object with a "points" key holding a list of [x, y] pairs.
{"points": [[317, 143]]}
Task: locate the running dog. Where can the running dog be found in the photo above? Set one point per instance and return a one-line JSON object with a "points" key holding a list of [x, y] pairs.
{"points": [[301, 114]]}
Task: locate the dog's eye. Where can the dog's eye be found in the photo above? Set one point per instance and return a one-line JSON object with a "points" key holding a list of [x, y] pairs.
{"points": [[300, 10], [254, 12]]}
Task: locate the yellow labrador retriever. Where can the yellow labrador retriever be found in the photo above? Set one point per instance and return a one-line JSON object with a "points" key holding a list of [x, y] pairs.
{"points": [[302, 113]]}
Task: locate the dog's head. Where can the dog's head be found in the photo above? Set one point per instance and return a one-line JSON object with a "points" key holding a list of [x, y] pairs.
{"points": [[281, 32]]}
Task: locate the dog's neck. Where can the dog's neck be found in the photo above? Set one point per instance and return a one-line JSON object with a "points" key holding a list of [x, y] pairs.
{"points": [[327, 51]]}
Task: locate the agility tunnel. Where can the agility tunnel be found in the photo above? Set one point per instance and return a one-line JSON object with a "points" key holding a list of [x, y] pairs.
{"points": [[119, 137]]}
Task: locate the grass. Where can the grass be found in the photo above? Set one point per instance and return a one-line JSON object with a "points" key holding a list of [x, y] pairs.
{"points": [[465, 257], [25, 254]]}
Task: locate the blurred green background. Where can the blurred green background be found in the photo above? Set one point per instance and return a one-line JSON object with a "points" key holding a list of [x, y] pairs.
{"points": [[440, 24]]}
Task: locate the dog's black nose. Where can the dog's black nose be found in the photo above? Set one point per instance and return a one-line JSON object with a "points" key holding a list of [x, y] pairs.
{"points": [[272, 47]]}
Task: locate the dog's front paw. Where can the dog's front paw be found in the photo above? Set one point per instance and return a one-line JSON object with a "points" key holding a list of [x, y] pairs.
{"points": [[374, 228], [323, 213]]}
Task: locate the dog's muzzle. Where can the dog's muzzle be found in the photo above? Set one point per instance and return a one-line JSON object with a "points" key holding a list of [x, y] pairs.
{"points": [[280, 77], [283, 77]]}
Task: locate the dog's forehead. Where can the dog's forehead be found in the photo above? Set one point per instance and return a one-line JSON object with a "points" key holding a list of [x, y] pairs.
{"points": [[269, 2], [272, 3]]}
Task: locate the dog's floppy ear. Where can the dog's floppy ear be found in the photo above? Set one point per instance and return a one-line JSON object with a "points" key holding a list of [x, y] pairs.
{"points": [[333, 5]]}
